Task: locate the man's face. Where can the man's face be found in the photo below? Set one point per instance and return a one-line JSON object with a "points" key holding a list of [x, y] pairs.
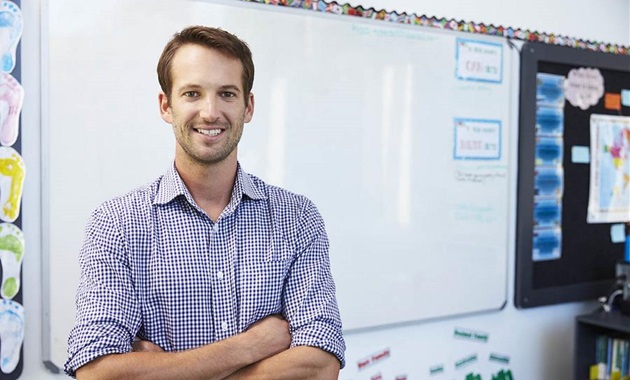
{"points": [[207, 107]]}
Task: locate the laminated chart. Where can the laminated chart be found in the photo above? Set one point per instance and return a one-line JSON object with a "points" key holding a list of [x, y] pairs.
{"points": [[548, 172]]}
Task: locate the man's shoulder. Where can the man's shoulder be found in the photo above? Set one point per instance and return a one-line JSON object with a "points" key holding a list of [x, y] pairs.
{"points": [[279, 195], [134, 201], [287, 205]]}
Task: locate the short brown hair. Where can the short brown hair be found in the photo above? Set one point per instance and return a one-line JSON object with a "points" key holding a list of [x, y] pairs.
{"points": [[213, 38]]}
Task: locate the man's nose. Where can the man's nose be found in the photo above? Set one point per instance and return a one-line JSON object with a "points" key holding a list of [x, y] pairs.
{"points": [[210, 109]]}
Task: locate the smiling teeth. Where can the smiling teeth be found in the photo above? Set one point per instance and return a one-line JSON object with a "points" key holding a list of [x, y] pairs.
{"points": [[209, 132]]}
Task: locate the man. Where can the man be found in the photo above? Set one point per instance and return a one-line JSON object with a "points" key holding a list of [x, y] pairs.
{"points": [[208, 272]]}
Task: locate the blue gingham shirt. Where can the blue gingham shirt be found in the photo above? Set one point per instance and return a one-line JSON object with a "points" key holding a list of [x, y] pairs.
{"points": [[155, 266]]}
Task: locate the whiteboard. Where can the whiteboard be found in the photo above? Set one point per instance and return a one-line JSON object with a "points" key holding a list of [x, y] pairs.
{"points": [[399, 134]]}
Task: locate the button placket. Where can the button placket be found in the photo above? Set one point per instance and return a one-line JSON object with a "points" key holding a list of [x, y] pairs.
{"points": [[220, 257]]}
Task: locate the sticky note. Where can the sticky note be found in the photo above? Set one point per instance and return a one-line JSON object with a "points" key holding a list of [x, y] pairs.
{"points": [[625, 98], [612, 101], [580, 154], [618, 233]]}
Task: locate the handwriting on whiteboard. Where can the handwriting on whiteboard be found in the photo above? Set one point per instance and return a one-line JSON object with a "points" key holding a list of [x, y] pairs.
{"points": [[392, 32]]}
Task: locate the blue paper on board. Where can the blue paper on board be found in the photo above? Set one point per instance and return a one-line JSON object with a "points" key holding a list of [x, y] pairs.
{"points": [[580, 155], [618, 233]]}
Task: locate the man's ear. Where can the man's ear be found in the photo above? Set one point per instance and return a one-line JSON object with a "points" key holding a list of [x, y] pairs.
{"points": [[165, 108], [249, 109]]}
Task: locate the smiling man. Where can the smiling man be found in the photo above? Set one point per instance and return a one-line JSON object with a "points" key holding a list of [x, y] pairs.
{"points": [[207, 272]]}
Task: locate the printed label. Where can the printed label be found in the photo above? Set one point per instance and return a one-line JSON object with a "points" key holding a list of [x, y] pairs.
{"points": [[479, 61]]}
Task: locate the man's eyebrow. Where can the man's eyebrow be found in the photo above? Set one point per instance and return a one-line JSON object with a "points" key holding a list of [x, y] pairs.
{"points": [[189, 86], [230, 87], [193, 86]]}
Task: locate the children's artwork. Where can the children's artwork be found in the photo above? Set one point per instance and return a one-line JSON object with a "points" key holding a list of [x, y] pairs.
{"points": [[549, 150], [10, 33], [547, 212], [548, 181], [550, 90], [11, 334], [11, 254], [11, 99], [609, 197], [547, 244], [12, 173], [549, 121]]}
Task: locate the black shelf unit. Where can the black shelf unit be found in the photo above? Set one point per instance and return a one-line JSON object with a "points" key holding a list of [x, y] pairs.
{"points": [[587, 328]]}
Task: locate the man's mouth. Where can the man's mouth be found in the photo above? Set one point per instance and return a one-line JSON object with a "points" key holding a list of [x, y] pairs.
{"points": [[209, 132]]}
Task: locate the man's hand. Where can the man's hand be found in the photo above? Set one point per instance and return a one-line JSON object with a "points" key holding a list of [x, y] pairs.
{"points": [[271, 333]]}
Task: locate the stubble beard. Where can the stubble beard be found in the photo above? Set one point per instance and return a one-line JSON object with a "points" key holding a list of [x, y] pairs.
{"points": [[222, 152]]}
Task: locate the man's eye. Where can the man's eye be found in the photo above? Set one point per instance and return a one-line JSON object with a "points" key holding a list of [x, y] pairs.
{"points": [[228, 94], [191, 94]]}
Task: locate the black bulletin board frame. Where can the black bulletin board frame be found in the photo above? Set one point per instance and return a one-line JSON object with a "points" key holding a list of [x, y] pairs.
{"points": [[586, 267]]}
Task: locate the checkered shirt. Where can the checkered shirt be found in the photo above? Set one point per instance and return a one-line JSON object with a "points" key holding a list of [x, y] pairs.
{"points": [[155, 266]]}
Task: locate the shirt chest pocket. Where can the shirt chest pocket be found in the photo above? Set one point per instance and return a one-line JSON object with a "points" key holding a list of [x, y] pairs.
{"points": [[278, 252], [261, 279], [274, 261]]}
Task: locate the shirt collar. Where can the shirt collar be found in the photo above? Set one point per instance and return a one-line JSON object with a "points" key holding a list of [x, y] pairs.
{"points": [[171, 186], [247, 184]]}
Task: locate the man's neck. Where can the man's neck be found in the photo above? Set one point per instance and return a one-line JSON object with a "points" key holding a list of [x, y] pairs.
{"points": [[210, 185]]}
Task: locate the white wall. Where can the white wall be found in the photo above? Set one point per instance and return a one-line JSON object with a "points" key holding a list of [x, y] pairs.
{"points": [[539, 341]]}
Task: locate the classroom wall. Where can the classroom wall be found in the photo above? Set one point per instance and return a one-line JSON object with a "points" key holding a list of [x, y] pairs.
{"points": [[539, 341]]}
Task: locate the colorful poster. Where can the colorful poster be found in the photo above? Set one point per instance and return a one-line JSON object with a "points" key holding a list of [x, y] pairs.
{"points": [[609, 198]]}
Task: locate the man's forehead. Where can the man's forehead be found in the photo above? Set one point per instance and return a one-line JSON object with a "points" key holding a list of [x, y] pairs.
{"points": [[228, 67]]}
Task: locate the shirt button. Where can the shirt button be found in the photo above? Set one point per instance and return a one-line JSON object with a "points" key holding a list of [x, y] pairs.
{"points": [[215, 228], [224, 326], [220, 275]]}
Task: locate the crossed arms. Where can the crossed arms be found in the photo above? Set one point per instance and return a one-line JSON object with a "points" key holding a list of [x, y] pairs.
{"points": [[261, 352], [112, 292]]}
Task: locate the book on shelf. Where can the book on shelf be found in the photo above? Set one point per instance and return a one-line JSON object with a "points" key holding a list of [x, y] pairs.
{"points": [[612, 359]]}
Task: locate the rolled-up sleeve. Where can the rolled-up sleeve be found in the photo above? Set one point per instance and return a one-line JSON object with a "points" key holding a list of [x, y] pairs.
{"points": [[310, 302], [107, 313]]}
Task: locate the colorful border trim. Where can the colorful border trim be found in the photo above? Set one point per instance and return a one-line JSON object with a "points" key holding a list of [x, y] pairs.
{"points": [[442, 23]]}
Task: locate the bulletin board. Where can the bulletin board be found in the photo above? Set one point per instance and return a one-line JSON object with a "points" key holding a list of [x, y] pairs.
{"points": [[574, 173]]}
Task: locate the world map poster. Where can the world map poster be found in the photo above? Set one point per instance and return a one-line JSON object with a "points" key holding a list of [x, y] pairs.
{"points": [[609, 198]]}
